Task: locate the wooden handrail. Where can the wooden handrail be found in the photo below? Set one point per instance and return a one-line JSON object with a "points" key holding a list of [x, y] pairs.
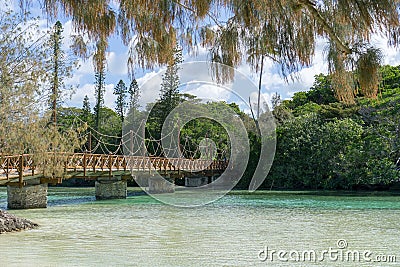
{"points": [[19, 166]]}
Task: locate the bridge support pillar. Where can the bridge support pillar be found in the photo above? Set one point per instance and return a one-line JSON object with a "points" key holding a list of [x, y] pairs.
{"points": [[195, 181], [27, 197], [110, 189], [158, 185]]}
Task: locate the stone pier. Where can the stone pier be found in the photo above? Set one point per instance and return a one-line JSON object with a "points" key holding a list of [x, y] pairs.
{"points": [[111, 189], [195, 181], [158, 185], [27, 197]]}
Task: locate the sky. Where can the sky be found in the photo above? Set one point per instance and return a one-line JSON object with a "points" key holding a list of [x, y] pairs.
{"points": [[116, 69]]}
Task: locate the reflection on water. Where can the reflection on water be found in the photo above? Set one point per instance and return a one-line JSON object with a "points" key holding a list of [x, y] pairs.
{"points": [[78, 231]]}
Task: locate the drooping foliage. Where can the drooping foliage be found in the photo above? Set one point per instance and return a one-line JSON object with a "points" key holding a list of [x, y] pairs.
{"points": [[284, 31], [24, 78]]}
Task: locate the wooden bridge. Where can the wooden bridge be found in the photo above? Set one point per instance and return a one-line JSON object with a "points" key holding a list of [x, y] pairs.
{"points": [[16, 170], [27, 184]]}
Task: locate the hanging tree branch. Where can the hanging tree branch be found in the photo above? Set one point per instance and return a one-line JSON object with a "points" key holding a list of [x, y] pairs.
{"points": [[328, 29]]}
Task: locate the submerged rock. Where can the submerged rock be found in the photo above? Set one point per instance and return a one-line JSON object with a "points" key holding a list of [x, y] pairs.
{"points": [[11, 223]]}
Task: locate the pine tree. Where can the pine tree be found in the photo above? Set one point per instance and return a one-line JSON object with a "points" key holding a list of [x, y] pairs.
{"points": [[169, 93], [86, 111], [120, 91], [56, 61], [99, 93], [134, 95], [276, 100]]}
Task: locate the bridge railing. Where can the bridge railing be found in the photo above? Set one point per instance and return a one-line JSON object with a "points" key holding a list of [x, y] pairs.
{"points": [[24, 165], [16, 166]]}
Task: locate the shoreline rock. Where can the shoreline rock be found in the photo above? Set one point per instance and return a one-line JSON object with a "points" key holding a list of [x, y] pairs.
{"points": [[11, 223]]}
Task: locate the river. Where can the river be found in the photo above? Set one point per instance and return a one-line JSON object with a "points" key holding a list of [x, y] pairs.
{"points": [[262, 229]]}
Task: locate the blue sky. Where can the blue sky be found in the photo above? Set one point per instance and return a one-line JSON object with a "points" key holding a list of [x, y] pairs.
{"points": [[117, 54]]}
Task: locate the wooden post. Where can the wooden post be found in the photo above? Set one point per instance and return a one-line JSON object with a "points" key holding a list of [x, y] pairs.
{"points": [[90, 141], [144, 138], [179, 138], [131, 143], [149, 164], [33, 168], [21, 167], [94, 162], [7, 166], [84, 164], [207, 152], [109, 166]]}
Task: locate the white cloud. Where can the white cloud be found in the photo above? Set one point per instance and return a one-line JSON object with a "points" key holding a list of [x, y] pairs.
{"points": [[391, 54], [149, 86], [273, 82], [116, 64], [89, 90], [208, 92], [77, 98], [109, 97]]}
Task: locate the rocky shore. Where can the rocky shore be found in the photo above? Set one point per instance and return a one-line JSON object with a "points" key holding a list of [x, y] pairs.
{"points": [[11, 223]]}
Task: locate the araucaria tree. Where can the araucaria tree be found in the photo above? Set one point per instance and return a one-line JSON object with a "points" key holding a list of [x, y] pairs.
{"points": [[86, 111], [100, 77], [120, 91], [61, 67], [134, 95], [169, 93], [285, 31], [56, 60]]}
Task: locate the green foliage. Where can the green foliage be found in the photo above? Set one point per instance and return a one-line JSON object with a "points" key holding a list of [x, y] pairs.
{"points": [[86, 113], [110, 124], [325, 144], [390, 77], [169, 96], [320, 93], [120, 91]]}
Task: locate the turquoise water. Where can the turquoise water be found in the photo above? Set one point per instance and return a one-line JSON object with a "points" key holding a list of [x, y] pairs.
{"points": [[76, 230]]}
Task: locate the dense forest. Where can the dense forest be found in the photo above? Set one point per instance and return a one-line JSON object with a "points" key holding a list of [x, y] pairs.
{"points": [[325, 144], [321, 143]]}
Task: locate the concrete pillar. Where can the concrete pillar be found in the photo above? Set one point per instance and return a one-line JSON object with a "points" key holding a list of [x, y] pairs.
{"points": [[27, 197], [158, 185], [195, 181], [111, 189]]}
